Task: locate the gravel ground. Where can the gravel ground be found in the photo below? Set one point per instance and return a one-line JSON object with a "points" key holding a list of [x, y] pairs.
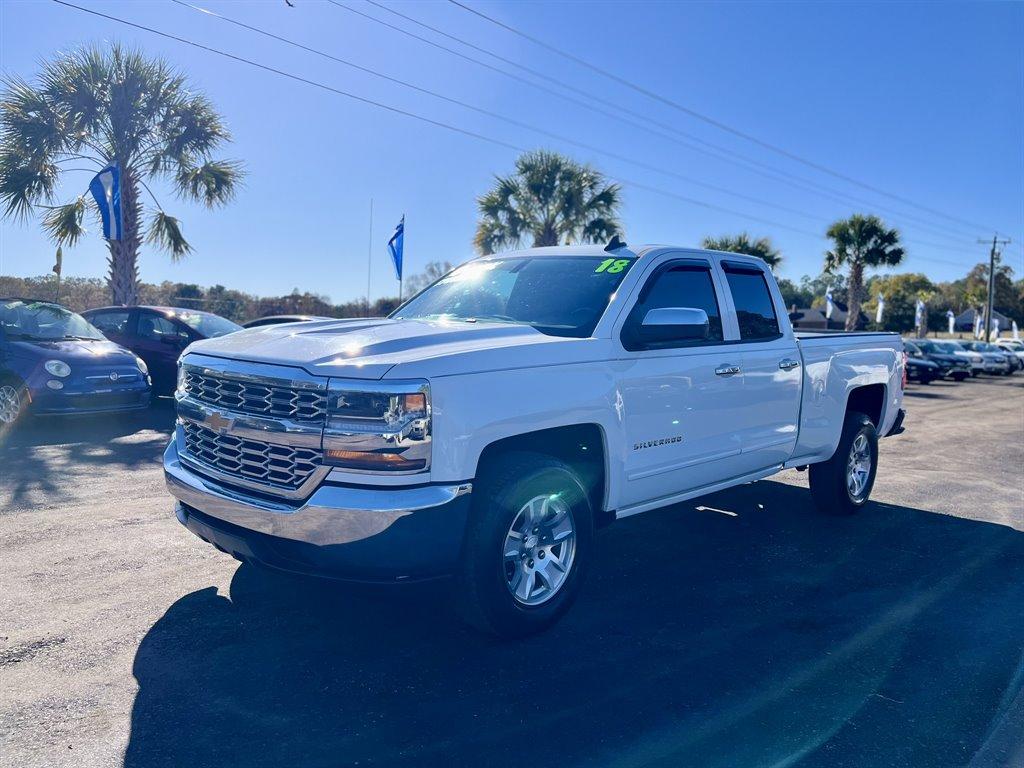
{"points": [[737, 630]]}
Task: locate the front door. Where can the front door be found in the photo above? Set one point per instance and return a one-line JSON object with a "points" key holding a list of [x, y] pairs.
{"points": [[676, 399], [159, 341]]}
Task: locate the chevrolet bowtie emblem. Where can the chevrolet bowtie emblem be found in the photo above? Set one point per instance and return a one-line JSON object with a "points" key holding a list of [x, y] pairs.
{"points": [[219, 423]]}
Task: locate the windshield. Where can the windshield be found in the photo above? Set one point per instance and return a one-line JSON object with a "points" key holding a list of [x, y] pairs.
{"points": [[560, 296], [206, 324], [42, 321], [947, 346]]}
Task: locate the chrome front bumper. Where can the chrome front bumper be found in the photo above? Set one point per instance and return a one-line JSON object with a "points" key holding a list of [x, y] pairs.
{"points": [[343, 531]]}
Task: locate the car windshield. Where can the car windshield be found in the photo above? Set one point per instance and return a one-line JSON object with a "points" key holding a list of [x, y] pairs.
{"points": [[560, 296], [946, 346], [206, 324], [42, 321]]}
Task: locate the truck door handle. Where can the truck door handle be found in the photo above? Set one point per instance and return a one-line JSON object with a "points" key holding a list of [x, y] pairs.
{"points": [[727, 370], [788, 364]]}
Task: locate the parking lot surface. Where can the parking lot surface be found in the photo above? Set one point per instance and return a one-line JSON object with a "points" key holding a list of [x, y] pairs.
{"points": [[741, 629]]}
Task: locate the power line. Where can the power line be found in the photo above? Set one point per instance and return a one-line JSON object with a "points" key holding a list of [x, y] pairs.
{"points": [[421, 118], [505, 118], [645, 122], [702, 117]]}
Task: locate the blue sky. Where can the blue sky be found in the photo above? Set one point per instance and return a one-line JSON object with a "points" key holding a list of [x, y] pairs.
{"points": [[922, 100]]}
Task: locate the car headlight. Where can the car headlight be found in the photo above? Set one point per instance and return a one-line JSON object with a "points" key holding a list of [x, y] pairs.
{"points": [[142, 365], [379, 427], [57, 368]]}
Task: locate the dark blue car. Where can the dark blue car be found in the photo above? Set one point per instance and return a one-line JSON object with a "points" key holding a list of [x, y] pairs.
{"points": [[53, 361]]}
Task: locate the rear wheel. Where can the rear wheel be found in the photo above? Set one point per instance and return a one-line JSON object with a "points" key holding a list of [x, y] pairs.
{"points": [[959, 376], [527, 545], [842, 485]]}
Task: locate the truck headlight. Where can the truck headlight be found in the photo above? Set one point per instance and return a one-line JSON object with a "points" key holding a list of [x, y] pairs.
{"points": [[57, 368], [378, 427]]}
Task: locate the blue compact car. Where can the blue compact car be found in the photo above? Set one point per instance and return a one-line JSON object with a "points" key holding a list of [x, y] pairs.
{"points": [[53, 361]]}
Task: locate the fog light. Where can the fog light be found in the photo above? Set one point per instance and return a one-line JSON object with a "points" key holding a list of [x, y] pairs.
{"points": [[53, 384]]}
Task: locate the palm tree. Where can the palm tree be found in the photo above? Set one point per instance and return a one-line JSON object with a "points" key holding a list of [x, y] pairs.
{"points": [[93, 108], [550, 199], [741, 243], [861, 241]]}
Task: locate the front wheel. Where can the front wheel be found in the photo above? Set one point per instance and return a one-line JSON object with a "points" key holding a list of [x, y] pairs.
{"points": [[527, 546], [13, 402], [842, 485]]}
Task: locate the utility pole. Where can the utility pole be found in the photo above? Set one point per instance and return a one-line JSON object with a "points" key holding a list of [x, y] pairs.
{"points": [[992, 255]]}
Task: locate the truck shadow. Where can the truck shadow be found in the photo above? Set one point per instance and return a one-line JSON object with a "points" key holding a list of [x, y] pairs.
{"points": [[737, 630]]}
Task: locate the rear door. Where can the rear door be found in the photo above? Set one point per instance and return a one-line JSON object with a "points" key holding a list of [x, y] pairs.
{"points": [[768, 408], [675, 399]]}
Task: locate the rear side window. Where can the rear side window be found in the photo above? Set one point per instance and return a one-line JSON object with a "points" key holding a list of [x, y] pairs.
{"points": [[755, 311], [677, 286]]}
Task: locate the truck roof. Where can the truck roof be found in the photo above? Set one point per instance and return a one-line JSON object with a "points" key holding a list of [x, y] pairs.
{"points": [[635, 251]]}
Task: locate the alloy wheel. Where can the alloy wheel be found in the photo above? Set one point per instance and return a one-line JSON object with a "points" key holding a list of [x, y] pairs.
{"points": [[858, 467], [10, 404], [539, 550]]}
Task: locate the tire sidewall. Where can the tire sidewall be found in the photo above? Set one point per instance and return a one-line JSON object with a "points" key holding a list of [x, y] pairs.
{"points": [[494, 512]]}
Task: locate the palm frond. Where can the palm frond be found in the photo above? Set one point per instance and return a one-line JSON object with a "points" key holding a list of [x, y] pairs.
{"points": [[214, 182], [63, 223], [24, 182], [165, 232]]}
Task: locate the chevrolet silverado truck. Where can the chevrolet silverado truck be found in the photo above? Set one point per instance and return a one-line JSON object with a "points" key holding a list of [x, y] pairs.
{"points": [[494, 421]]}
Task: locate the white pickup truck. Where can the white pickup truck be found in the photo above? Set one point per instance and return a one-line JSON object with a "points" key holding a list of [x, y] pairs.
{"points": [[495, 420]]}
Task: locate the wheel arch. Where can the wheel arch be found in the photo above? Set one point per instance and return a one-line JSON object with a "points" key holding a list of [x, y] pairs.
{"points": [[868, 399], [582, 446]]}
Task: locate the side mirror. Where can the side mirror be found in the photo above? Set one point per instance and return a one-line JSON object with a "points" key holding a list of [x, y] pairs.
{"points": [[674, 324]]}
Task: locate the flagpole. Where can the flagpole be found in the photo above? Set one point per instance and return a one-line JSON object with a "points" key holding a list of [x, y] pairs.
{"points": [[369, 259]]}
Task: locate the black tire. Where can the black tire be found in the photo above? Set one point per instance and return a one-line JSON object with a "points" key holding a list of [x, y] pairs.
{"points": [[484, 594], [829, 488], [958, 377]]}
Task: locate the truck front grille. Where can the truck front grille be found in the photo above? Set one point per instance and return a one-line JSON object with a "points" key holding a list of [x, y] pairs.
{"points": [[280, 466], [262, 399]]}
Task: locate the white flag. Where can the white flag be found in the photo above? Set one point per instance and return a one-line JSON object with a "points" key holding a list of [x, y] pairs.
{"points": [[829, 306], [951, 319], [995, 328], [1016, 333], [880, 310], [919, 313], [977, 324]]}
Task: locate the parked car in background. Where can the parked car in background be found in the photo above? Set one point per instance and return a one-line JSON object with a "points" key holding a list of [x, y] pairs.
{"points": [[159, 335], [975, 358], [280, 319], [53, 361], [921, 370], [950, 364], [1014, 346], [995, 359]]}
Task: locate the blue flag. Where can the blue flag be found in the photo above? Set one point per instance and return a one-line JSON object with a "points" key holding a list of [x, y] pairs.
{"points": [[106, 189], [395, 245]]}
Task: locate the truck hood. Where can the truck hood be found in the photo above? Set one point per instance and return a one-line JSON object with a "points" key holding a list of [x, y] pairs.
{"points": [[375, 348]]}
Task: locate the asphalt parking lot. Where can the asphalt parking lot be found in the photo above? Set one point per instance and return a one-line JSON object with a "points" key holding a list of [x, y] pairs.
{"points": [[741, 629]]}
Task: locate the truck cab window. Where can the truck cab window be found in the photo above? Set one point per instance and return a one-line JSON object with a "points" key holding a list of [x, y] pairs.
{"points": [[676, 286], [755, 311]]}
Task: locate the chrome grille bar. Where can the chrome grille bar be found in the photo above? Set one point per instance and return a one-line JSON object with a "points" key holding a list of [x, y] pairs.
{"points": [[261, 397]]}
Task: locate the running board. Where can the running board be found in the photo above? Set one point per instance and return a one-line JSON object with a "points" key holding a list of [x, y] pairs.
{"points": [[666, 501]]}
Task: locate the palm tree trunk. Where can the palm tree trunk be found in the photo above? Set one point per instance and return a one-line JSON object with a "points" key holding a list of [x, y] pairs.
{"points": [[124, 253], [855, 288], [547, 236]]}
